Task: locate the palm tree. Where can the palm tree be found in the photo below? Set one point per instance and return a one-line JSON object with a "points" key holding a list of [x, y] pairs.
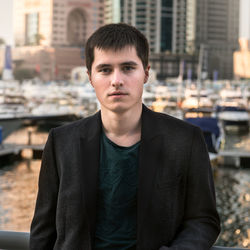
{"points": [[38, 37]]}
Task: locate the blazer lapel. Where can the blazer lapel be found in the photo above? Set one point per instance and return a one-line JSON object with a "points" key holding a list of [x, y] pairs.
{"points": [[153, 146], [89, 152]]}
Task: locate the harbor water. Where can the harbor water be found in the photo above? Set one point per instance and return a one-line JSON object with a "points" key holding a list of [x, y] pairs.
{"points": [[18, 189]]}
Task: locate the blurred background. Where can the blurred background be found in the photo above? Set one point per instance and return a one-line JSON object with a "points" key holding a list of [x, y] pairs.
{"points": [[200, 72]]}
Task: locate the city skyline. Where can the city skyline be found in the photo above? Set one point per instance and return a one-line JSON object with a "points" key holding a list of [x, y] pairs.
{"points": [[6, 22]]}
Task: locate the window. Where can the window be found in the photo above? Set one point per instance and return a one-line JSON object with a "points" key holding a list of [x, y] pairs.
{"points": [[32, 28]]}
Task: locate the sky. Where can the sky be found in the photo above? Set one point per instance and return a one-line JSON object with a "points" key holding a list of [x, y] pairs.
{"points": [[244, 19], [6, 29], [6, 25]]}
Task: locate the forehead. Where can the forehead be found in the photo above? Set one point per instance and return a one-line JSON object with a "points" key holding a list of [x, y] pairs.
{"points": [[111, 56]]}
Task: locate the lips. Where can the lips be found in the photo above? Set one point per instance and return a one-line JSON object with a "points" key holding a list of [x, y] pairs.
{"points": [[117, 93]]}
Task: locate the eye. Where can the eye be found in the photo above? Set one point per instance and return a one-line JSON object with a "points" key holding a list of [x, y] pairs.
{"points": [[128, 68], [105, 70]]}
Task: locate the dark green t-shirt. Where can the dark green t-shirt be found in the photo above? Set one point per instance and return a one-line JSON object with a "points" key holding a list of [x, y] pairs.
{"points": [[117, 196]]}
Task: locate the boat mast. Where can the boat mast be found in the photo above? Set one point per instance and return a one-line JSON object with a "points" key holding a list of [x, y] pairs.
{"points": [[199, 72]]}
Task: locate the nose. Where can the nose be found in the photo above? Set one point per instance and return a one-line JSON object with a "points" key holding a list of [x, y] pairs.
{"points": [[117, 80]]}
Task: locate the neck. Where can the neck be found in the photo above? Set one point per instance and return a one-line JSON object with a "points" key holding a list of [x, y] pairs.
{"points": [[124, 128]]}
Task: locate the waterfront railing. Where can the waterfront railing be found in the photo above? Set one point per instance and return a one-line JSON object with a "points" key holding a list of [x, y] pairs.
{"points": [[10, 240]]}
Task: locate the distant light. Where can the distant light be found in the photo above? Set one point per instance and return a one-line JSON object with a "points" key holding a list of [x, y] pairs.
{"points": [[247, 197], [245, 242]]}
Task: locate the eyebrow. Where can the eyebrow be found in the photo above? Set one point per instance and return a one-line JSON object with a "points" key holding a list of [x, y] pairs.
{"points": [[103, 65], [132, 63]]}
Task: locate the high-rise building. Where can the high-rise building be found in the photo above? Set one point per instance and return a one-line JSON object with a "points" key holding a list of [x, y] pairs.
{"points": [[212, 24], [55, 22], [112, 11], [217, 27], [163, 22], [144, 15], [166, 26], [56, 30], [242, 60], [242, 57], [181, 26], [152, 17]]}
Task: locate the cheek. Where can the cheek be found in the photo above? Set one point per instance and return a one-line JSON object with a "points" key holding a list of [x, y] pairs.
{"points": [[99, 89], [98, 83]]}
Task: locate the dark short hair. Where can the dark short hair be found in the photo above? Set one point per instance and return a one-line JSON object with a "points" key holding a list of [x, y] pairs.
{"points": [[116, 37]]}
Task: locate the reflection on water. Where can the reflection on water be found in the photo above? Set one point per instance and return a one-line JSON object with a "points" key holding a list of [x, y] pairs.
{"points": [[233, 202], [18, 189]]}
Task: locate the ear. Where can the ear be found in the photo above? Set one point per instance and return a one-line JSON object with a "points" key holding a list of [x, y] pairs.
{"points": [[146, 74], [89, 75]]}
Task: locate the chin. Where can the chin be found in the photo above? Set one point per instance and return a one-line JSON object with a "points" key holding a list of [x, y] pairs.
{"points": [[119, 109], [123, 108]]}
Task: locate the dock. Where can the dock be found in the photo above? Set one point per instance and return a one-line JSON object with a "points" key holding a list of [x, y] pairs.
{"points": [[237, 158], [8, 151], [231, 153], [16, 148], [231, 157]]}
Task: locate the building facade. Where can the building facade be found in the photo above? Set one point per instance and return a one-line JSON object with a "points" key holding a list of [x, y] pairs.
{"points": [[217, 28], [242, 57], [173, 27], [181, 26], [54, 28], [211, 24], [242, 60]]}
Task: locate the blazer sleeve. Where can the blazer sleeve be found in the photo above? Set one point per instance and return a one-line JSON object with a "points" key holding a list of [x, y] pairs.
{"points": [[43, 226], [201, 223]]}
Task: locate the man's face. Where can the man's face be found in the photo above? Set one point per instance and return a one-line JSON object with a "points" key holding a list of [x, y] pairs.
{"points": [[118, 78]]}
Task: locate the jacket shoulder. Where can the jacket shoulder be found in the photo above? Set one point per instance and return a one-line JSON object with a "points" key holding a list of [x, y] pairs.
{"points": [[76, 127], [165, 123]]}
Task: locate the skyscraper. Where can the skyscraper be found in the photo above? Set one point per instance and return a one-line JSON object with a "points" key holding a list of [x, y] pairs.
{"points": [[212, 24], [242, 57], [166, 20], [217, 27], [152, 17], [50, 34], [55, 22], [181, 26], [146, 16]]}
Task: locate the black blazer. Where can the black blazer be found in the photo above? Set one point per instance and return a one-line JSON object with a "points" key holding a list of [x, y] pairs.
{"points": [[176, 199]]}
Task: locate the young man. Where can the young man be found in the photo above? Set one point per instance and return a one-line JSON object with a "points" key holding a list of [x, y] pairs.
{"points": [[126, 177]]}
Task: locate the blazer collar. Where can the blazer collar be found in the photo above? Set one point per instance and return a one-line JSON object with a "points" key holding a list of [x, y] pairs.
{"points": [[151, 125], [91, 127], [153, 146], [89, 152]]}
